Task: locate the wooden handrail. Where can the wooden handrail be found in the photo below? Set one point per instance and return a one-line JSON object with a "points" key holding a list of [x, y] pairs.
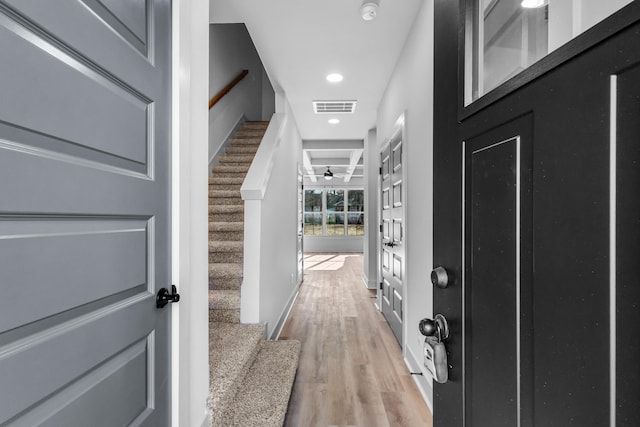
{"points": [[225, 90]]}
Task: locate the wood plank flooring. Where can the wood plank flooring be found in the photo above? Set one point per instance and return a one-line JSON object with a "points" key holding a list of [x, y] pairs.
{"points": [[351, 371]]}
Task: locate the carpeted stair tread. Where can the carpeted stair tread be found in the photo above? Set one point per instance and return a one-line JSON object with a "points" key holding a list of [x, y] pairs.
{"points": [[229, 216], [236, 158], [226, 201], [232, 349], [262, 124], [231, 169], [224, 299], [241, 150], [250, 379], [222, 180], [233, 283], [249, 133], [263, 397], [214, 209], [225, 187], [223, 315], [225, 270], [253, 143], [222, 246], [223, 194], [226, 236], [226, 226], [232, 187], [227, 257], [226, 231]]}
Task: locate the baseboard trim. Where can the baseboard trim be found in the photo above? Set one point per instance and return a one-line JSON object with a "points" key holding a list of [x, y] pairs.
{"points": [[213, 159], [285, 313], [369, 284], [426, 389]]}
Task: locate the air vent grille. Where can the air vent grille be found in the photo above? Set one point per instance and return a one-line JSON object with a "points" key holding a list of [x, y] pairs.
{"points": [[334, 107]]}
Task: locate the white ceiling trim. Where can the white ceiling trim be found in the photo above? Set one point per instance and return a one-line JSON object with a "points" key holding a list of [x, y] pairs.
{"points": [[355, 158], [306, 162]]}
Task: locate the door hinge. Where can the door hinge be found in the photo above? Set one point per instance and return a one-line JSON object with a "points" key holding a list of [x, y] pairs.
{"points": [[381, 228], [381, 285], [380, 172]]}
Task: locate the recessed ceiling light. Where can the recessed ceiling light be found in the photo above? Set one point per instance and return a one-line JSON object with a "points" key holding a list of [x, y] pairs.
{"points": [[334, 121], [532, 4], [334, 77]]}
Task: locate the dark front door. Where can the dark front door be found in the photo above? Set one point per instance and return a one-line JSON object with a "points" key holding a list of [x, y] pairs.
{"points": [[537, 221], [84, 212]]}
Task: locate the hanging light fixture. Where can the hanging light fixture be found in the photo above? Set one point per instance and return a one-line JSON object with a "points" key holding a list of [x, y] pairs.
{"points": [[532, 4], [369, 9], [328, 175]]}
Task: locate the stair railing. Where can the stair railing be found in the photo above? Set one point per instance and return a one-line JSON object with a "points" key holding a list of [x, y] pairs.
{"points": [[225, 90]]}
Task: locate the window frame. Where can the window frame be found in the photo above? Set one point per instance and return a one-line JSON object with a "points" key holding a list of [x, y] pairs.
{"points": [[611, 25], [324, 212]]}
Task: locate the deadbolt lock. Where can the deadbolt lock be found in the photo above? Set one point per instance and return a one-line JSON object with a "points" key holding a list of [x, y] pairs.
{"points": [[440, 277]]}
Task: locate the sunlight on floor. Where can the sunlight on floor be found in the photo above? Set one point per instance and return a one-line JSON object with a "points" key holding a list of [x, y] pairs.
{"points": [[328, 262]]}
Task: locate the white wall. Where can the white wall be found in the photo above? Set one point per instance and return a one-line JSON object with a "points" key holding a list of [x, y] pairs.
{"points": [[410, 92], [190, 326], [352, 244], [371, 221], [270, 194], [231, 51], [268, 97], [279, 254]]}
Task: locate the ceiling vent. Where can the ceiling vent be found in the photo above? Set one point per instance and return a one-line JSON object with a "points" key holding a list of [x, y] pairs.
{"points": [[334, 107]]}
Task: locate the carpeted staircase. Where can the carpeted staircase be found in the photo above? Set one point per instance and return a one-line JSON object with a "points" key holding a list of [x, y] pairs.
{"points": [[251, 378]]}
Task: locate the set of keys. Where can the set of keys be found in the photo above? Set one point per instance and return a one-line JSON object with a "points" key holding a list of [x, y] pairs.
{"points": [[435, 353]]}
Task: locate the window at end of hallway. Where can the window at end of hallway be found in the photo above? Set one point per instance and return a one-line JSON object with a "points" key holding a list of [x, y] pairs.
{"points": [[325, 213]]}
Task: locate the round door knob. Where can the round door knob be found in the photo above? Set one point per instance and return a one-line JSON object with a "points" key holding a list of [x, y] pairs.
{"points": [[427, 327], [439, 277], [438, 327]]}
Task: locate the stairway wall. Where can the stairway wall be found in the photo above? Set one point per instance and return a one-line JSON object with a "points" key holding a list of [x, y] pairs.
{"points": [[253, 99], [270, 235]]}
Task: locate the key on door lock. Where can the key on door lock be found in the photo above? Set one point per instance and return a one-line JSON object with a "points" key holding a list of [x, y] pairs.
{"points": [[435, 353]]}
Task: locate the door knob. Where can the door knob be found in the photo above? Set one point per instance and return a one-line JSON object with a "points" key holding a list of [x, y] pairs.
{"points": [[435, 353], [438, 327], [440, 277]]}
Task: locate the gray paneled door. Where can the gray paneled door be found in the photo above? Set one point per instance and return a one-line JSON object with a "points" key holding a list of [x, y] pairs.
{"points": [[300, 239], [84, 212], [392, 239]]}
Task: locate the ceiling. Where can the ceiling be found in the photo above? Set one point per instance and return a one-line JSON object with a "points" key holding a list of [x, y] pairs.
{"points": [[300, 42], [342, 158]]}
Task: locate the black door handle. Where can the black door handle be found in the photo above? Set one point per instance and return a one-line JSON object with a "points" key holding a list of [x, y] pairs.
{"points": [[164, 297]]}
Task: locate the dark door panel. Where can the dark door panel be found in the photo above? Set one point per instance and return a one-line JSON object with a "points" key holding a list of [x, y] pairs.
{"points": [[627, 232], [540, 353]]}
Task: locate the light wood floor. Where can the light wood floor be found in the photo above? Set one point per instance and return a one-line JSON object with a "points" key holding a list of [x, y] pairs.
{"points": [[351, 371]]}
